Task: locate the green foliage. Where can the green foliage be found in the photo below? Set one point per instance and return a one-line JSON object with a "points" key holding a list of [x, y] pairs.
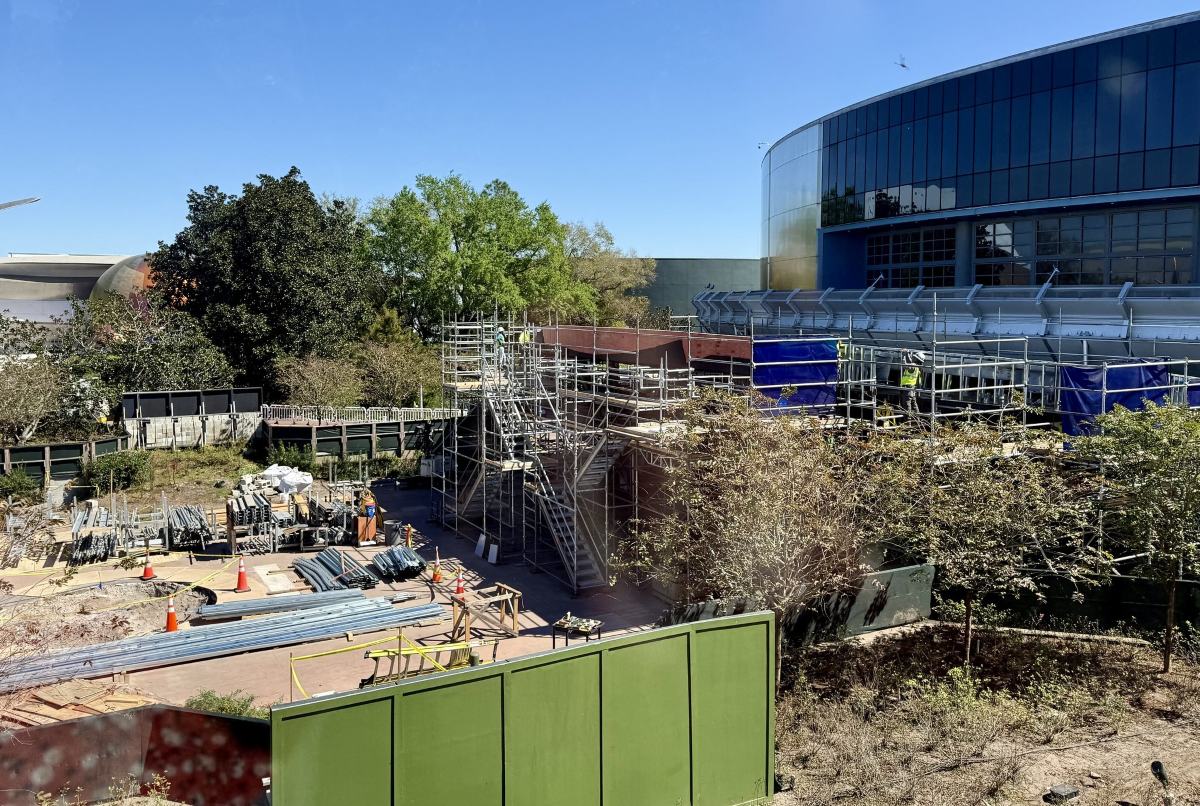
{"points": [[19, 486], [383, 466], [613, 274], [292, 456], [270, 273], [395, 372], [235, 703], [124, 345], [319, 381], [117, 471], [447, 249]]}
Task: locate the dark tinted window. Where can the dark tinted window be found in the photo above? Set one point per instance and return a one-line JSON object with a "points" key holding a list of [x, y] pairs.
{"points": [[1039, 181], [1158, 107], [1133, 112], [933, 149], [1183, 165], [1085, 63], [983, 140], [1162, 47], [935, 99], [1083, 121], [1109, 58], [1019, 138], [1020, 77], [1060, 124], [920, 149], [966, 124], [1129, 172], [1018, 184], [1158, 168], [1108, 116], [1081, 177], [1187, 42], [1064, 68], [1187, 111], [1000, 134], [906, 107], [1039, 128], [949, 143], [1042, 69], [1133, 53], [1060, 179], [949, 95], [921, 103], [983, 87], [1106, 175], [1002, 82]]}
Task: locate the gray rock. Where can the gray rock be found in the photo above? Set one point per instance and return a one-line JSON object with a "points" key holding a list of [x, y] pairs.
{"points": [[1061, 793]]}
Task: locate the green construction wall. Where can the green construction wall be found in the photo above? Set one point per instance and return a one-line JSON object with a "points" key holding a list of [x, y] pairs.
{"points": [[678, 715]]}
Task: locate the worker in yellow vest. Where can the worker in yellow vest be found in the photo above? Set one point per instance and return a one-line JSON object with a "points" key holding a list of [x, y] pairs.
{"points": [[910, 377]]}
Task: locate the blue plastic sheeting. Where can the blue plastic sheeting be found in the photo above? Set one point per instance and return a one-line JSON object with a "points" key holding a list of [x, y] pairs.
{"points": [[1089, 391], [809, 365]]}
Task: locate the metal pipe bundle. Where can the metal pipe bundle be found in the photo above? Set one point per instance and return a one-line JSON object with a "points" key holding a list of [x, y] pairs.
{"points": [[274, 604], [333, 569], [356, 615], [398, 562]]}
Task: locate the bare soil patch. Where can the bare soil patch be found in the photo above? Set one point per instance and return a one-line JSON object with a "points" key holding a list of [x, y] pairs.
{"points": [[898, 721]]}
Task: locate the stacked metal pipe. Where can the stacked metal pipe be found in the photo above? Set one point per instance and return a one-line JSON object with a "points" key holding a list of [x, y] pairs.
{"points": [[274, 604], [398, 562], [333, 570], [356, 615]]}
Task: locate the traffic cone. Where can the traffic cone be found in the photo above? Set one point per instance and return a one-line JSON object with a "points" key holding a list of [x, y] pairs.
{"points": [[147, 569], [172, 620], [459, 590], [437, 566], [243, 585]]}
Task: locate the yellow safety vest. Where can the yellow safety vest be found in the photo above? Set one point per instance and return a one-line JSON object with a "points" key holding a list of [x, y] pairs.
{"points": [[909, 377]]}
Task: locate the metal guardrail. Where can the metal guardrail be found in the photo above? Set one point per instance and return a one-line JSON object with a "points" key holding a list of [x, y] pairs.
{"points": [[357, 414]]}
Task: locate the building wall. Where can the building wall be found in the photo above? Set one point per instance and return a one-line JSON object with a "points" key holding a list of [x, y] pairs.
{"points": [[678, 280], [1107, 120]]}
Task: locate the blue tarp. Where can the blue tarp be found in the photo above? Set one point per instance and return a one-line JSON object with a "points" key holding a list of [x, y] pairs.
{"points": [[1089, 391], [809, 365]]}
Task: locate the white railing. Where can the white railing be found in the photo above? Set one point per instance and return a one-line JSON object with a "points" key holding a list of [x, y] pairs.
{"points": [[357, 414]]}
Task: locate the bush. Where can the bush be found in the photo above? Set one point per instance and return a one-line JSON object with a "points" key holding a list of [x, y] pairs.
{"points": [[384, 466], [118, 471], [19, 485], [292, 456], [235, 703]]}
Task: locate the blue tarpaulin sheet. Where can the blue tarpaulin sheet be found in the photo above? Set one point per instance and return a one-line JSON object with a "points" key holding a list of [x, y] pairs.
{"points": [[810, 366], [1089, 391]]}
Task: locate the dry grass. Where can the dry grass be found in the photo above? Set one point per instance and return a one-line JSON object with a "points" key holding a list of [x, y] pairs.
{"points": [[897, 722], [189, 476]]}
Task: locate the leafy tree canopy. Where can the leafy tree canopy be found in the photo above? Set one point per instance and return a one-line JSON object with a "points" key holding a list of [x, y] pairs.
{"points": [[270, 273], [613, 273], [448, 248]]}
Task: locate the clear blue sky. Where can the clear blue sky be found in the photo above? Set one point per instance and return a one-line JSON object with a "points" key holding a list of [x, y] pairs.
{"points": [[646, 115]]}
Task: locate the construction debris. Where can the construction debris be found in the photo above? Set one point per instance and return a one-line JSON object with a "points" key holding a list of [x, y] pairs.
{"points": [[333, 570], [360, 615], [70, 700], [398, 562]]}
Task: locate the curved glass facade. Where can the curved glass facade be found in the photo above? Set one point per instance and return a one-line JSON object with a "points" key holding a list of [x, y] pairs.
{"points": [[1113, 114]]}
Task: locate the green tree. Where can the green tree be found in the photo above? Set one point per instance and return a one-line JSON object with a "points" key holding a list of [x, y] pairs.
{"points": [[138, 344], [270, 273], [399, 372], [449, 249], [1149, 463], [613, 273], [319, 381], [32, 385], [993, 515]]}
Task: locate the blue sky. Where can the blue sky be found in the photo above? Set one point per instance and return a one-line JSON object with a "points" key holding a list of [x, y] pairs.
{"points": [[645, 115]]}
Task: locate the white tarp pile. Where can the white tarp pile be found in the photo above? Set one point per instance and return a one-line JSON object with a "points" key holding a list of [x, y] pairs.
{"points": [[281, 478]]}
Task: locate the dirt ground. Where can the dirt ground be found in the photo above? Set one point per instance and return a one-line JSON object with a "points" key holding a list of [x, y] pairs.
{"points": [[89, 614], [896, 722]]}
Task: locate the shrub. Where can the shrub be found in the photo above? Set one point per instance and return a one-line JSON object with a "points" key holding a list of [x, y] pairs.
{"points": [[118, 471], [292, 456], [383, 466], [19, 485], [235, 703]]}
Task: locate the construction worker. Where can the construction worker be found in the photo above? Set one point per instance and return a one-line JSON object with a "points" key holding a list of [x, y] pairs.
{"points": [[910, 377]]}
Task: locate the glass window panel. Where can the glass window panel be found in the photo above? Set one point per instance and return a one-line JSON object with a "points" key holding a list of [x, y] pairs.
{"points": [[933, 197], [949, 195], [1150, 271], [966, 125], [920, 149], [894, 152], [935, 99], [1039, 128], [1085, 63], [1064, 68], [949, 144], [918, 198], [981, 191], [920, 103], [1042, 67], [1106, 175], [1045, 270], [1081, 177], [1020, 77], [860, 121], [1123, 270], [1039, 181], [1133, 112], [1083, 121], [869, 160], [1109, 58], [1187, 115], [999, 187], [1158, 107], [1158, 168], [872, 117], [933, 147], [966, 91], [1094, 271], [1162, 47], [905, 199], [983, 141], [860, 163], [906, 154], [949, 95], [1019, 132], [983, 87], [1187, 42], [885, 113], [1002, 82], [906, 107], [1018, 184], [1133, 53], [881, 158], [962, 192], [1069, 272], [1179, 238], [1108, 116], [1129, 172], [894, 110], [1060, 179], [1000, 134], [1060, 124]]}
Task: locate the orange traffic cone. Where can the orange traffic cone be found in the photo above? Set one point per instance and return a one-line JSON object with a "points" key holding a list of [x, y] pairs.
{"points": [[437, 566], [147, 569], [172, 620], [243, 585], [459, 590]]}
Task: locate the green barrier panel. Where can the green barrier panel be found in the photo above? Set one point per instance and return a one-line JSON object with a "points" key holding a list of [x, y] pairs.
{"points": [[678, 715]]}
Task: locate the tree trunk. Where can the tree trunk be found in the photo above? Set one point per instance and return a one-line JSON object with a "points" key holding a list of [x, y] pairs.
{"points": [[1169, 638], [778, 650], [970, 604]]}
